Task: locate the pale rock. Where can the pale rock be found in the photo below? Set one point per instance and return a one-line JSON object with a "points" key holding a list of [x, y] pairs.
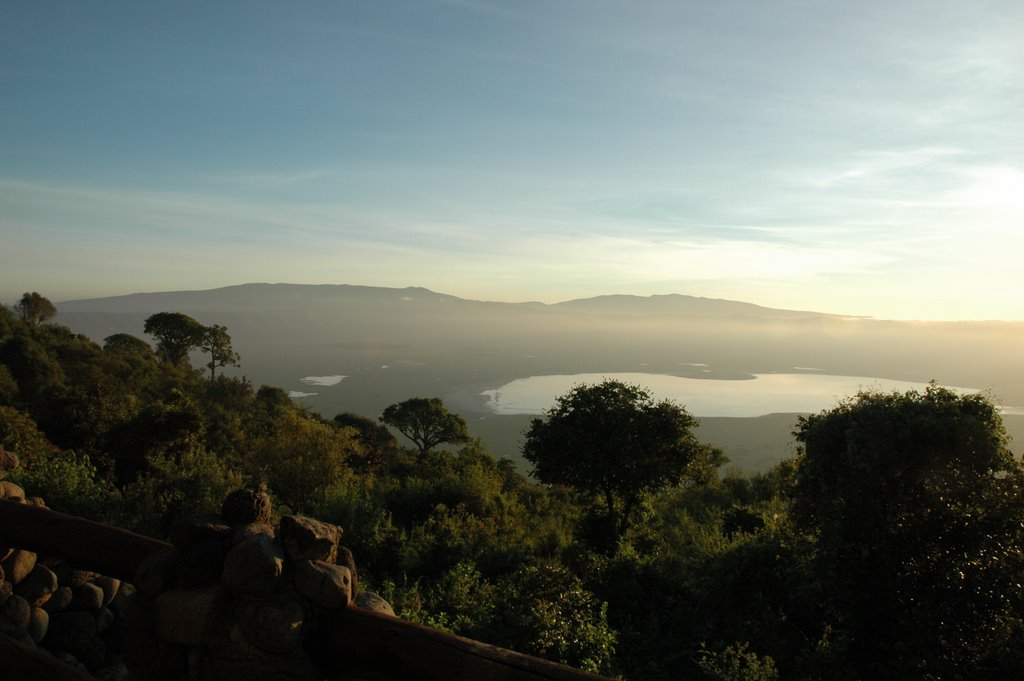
{"points": [[308, 539], [322, 584], [18, 565]]}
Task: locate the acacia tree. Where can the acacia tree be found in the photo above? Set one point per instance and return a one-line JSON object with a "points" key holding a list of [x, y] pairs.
{"points": [[34, 309], [426, 422], [176, 335], [613, 440], [916, 505], [217, 343]]}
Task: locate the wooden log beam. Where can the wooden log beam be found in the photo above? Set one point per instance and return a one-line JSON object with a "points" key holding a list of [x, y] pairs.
{"points": [[360, 644], [85, 544]]}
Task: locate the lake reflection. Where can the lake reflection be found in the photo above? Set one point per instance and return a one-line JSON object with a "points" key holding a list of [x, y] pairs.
{"points": [[763, 394]]}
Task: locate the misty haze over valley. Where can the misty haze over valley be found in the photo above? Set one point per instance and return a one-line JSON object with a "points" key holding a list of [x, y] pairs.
{"points": [[358, 349]]}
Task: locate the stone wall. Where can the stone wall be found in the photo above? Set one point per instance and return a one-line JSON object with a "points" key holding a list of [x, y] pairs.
{"points": [[235, 598]]}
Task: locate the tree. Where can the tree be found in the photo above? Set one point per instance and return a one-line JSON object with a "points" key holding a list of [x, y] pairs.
{"points": [[613, 440], [176, 335], [426, 422], [217, 342], [34, 309], [916, 504]]}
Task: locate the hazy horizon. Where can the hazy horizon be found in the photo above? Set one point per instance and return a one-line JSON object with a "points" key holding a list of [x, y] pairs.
{"points": [[858, 158]]}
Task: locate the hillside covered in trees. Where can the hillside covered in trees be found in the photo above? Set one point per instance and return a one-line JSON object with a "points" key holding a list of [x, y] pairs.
{"points": [[888, 548]]}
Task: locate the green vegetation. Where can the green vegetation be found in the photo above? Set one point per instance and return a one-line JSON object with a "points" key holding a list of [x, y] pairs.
{"points": [[889, 547]]}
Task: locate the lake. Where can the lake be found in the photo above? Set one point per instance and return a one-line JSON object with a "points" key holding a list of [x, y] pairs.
{"points": [[760, 395]]}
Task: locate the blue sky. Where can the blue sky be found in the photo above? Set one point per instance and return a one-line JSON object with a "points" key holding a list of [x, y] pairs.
{"points": [[852, 157]]}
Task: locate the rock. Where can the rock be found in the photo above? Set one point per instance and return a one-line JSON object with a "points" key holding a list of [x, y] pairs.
{"points": [[201, 564], [6, 589], [322, 584], [69, 576], [104, 619], [254, 566], [189, 617], [116, 671], [87, 597], [15, 614], [199, 528], [251, 530], [11, 491], [110, 587], [274, 625], [59, 599], [37, 586], [307, 539], [17, 565], [74, 631], [149, 658], [156, 573], [253, 667], [8, 462], [368, 600], [4, 552], [345, 558], [246, 506], [38, 623]]}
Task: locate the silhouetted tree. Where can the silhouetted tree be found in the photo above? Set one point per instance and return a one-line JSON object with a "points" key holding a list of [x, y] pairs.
{"points": [[34, 309], [217, 343], [916, 503], [176, 335], [615, 441], [426, 422]]}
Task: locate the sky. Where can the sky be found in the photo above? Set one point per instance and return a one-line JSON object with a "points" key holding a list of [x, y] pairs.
{"points": [[863, 158]]}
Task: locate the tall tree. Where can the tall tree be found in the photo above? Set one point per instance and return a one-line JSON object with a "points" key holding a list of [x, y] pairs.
{"points": [[916, 504], [613, 440], [426, 422], [217, 343], [176, 335], [34, 309]]}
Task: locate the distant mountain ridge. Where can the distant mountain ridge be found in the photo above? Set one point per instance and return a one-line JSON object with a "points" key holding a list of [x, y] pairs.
{"points": [[390, 344], [265, 296]]}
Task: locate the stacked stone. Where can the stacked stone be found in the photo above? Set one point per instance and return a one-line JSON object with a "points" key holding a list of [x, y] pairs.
{"points": [[237, 598], [47, 604]]}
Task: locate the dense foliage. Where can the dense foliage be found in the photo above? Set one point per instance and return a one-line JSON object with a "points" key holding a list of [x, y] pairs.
{"points": [[888, 548]]}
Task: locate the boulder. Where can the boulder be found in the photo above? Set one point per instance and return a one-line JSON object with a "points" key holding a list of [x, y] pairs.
{"points": [[254, 566], [201, 564], [11, 491], [37, 586], [368, 600], [110, 587], [87, 597], [156, 573], [38, 623], [69, 576], [308, 539], [274, 624], [323, 584], [246, 506], [190, 616], [59, 599], [18, 565], [15, 614], [251, 530]]}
